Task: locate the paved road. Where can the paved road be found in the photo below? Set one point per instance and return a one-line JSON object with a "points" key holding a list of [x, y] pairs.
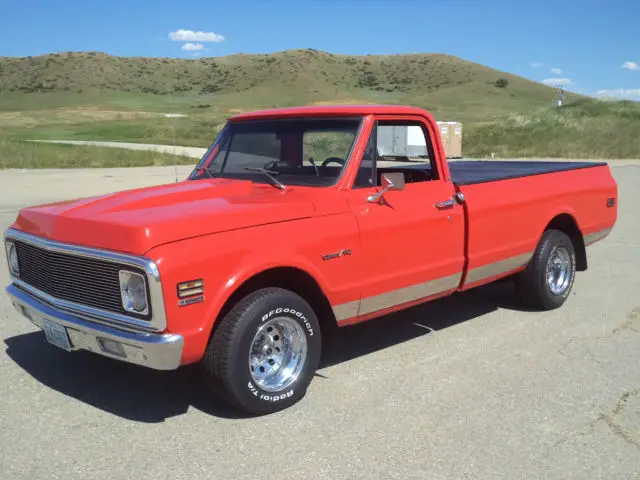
{"points": [[194, 152], [467, 387]]}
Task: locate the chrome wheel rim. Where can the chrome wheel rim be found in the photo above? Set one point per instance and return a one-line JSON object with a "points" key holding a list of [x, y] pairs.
{"points": [[278, 354], [559, 270]]}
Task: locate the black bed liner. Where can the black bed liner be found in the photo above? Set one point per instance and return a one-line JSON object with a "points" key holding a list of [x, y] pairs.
{"points": [[469, 172]]}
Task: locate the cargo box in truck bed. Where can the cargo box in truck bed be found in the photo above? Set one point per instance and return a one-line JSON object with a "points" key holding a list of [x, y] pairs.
{"points": [[467, 172]]}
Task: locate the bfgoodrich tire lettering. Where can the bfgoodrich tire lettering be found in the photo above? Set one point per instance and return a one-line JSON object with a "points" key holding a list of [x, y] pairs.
{"points": [[548, 279], [252, 341]]}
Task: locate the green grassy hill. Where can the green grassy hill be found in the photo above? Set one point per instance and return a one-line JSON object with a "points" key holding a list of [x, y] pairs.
{"points": [[582, 129], [442, 83], [95, 96]]}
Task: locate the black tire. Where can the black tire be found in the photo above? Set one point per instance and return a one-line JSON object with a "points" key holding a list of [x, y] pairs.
{"points": [[532, 284], [226, 360]]}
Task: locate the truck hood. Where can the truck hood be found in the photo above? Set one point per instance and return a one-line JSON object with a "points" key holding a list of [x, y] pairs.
{"points": [[134, 221]]}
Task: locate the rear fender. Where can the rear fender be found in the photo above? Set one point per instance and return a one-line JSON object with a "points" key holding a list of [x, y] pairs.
{"points": [[564, 218]]}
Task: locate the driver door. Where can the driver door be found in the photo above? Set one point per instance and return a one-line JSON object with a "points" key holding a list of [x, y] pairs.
{"points": [[412, 245]]}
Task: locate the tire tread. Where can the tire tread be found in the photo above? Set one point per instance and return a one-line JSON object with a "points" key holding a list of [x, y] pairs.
{"points": [[531, 283], [217, 361]]}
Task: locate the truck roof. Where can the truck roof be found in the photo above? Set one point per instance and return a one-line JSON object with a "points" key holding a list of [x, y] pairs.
{"points": [[331, 110]]}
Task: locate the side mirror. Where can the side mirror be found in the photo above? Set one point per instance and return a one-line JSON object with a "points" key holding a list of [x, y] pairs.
{"points": [[393, 180], [390, 181]]}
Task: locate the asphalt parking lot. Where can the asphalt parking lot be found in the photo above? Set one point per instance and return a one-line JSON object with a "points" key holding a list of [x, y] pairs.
{"points": [[467, 387]]}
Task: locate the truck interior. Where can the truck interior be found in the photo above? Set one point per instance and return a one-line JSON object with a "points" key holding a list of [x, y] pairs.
{"points": [[397, 147]]}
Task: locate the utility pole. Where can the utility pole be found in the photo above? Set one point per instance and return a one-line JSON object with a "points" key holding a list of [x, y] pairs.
{"points": [[560, 97]]}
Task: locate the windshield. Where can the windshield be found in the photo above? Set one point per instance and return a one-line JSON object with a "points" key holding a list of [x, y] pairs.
{"points": [[296, 151]]}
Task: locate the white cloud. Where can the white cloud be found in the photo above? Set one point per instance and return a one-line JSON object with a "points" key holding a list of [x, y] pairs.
{"points": [[556, 81], [536, 64], [631, 66], [556, 71], [191, 36], [620, 93], [191, 47]]}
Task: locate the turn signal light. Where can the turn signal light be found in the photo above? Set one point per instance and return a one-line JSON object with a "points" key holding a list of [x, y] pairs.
{"points": [[190, 288]]}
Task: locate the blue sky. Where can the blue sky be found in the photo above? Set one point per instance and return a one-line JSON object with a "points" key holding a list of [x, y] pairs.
{"points": [[591, 46]]}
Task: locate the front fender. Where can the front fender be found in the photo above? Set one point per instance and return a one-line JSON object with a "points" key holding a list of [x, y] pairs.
{"points": [[247, 270], [225, 261]]}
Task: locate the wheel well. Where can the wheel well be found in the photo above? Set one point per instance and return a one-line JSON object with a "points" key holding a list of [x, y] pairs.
{"points": [[289, 278], [567, 224]]}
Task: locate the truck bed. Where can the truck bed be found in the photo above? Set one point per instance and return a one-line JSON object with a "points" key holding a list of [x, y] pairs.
{"points": [[469, 172]]}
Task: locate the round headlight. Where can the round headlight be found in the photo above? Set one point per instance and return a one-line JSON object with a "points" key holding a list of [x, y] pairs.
{"points": [[134, 294], [13, 260]]}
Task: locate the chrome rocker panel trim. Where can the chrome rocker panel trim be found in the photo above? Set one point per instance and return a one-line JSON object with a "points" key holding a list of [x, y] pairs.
{"points": [[152, 350], [427, 289], [353, 309], [594, 237], [158, 320]]}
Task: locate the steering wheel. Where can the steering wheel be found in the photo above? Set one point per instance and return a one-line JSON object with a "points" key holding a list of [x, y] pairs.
{"points": [[334, 160]]}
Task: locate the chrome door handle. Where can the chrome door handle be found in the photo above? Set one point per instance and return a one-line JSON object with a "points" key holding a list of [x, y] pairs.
{"points": [[445, 204]]}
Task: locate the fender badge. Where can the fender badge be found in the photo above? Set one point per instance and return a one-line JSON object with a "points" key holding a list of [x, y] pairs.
{"points": [[191, 300], [341, 253]]}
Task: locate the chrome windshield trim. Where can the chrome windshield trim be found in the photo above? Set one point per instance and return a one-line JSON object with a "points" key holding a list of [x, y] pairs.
{"points": [[158, 320]]}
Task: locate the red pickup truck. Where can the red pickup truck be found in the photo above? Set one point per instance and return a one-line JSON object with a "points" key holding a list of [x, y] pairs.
{"points": [[294, 221]]}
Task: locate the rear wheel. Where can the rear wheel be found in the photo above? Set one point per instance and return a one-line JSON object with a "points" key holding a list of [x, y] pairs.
{"points": [[549, 277], [265, 351]]}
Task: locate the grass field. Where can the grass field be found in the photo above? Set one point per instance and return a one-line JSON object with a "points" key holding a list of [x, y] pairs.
{"points": [[583, 129], [93, 96], [17, 154]]}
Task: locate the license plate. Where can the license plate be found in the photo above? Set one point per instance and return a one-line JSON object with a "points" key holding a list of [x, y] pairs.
{"points": [[56, 335]]}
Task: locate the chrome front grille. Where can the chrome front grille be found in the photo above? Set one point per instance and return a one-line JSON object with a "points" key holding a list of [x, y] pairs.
{"points": [[74, 278]]}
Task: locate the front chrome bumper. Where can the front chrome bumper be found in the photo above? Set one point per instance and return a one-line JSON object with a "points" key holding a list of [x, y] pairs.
{"points": [[153, 350]]}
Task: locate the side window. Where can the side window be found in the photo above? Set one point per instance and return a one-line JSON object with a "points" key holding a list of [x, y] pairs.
{"points": [[397, 146]]}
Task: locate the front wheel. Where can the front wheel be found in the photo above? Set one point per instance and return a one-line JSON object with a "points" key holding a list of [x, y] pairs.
{"points": [[265, 351], [548, 279]]}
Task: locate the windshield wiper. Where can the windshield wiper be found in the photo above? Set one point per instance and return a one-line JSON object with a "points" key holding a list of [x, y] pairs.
{"points": [[208, 171], [269, 174]]}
